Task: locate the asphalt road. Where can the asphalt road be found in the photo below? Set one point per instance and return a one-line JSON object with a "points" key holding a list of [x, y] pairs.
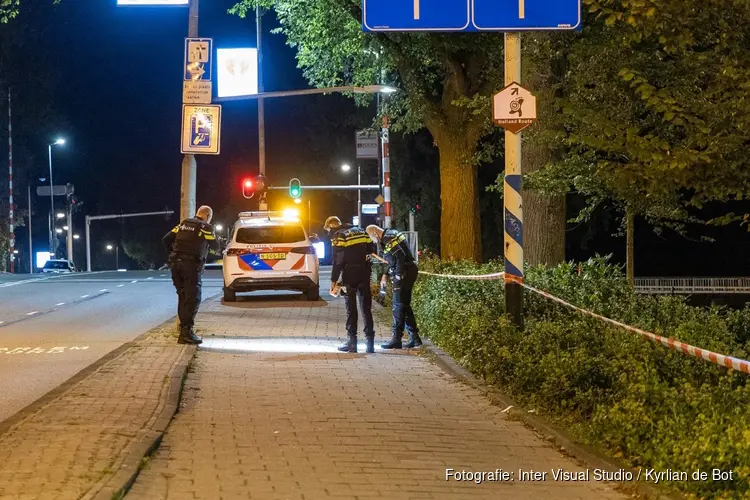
{"points": [[53, 327]]}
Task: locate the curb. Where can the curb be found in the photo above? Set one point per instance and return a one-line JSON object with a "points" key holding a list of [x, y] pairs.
{"points": [[586, 454], [149, 439]]}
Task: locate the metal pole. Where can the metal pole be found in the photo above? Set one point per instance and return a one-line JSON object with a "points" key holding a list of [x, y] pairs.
{"points": [[411, 222], [309, 217], [11, 229], [52, 205], [88, 243], [386, 173], [513, 213], [70, 231], [359, 194], [117, 257], [189, 165], [31, 247], [261, 109]]}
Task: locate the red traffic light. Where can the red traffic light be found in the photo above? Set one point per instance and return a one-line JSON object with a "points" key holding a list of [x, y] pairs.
{"points": [[248, 188]]}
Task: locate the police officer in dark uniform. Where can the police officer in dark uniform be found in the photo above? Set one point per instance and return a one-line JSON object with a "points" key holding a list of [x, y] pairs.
{"points": [[188, 245], [351, 248], [402, 268]]}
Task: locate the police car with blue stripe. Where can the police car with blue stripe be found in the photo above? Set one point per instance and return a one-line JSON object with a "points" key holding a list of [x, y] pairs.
{"points": [[270, 251]]}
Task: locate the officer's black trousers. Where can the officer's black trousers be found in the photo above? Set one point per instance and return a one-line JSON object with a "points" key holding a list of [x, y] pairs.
{"points": [[186, 276], [359, 292], [403, 315]]}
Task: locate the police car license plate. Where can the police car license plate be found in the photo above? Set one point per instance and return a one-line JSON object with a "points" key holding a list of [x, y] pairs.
{"points": [[273, 256]]}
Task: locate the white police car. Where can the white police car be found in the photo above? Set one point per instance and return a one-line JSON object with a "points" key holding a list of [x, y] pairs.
{"points": [[270, 251]]}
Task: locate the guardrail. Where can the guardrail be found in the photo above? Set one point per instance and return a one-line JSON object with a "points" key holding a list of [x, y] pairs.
{"points": [[687, 286]]}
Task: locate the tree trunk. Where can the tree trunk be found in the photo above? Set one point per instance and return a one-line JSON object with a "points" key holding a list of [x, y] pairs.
{"points": [[630, 245], [460, 237], [544, 220]]}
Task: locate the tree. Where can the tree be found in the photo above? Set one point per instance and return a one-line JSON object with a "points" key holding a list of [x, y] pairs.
{"points": [[653, 115], [446, 83]]}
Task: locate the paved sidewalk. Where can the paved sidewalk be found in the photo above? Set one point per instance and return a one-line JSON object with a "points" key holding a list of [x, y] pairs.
{"points": [[82, 439], [271, 411]]}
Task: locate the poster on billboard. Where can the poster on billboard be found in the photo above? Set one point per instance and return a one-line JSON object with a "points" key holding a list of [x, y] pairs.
{"points": [[237, 71]]}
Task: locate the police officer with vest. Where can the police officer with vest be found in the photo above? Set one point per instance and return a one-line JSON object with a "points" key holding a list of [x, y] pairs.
{"points": [[351, 248], [188, 245], [403, 271]]}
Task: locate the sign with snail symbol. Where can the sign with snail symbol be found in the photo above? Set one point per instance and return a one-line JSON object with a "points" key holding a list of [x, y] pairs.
{"points": [[514, 108]]}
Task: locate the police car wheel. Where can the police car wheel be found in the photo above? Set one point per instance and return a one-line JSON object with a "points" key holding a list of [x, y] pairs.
{"points": [[230, 295], [312, 294]]}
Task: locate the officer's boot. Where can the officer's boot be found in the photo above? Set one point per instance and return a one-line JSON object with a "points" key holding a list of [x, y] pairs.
{"points": [[188, 336], [350, 345], [414, 341], [370, 344], [394, 343]]}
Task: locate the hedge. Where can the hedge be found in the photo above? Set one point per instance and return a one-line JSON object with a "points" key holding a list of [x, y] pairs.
{"points": [[637, 400]]}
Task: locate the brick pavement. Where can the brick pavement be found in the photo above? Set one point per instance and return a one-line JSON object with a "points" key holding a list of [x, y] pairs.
{"points": [[271, 411], [69, 445]]}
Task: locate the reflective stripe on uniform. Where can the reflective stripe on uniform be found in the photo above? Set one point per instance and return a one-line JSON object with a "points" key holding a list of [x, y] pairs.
{"points": [[207, 235], [176, 229], [394, 242], [347, 241]]}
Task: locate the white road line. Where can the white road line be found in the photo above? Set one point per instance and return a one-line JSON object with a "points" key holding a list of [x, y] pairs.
{"points": [[84, 296], [60, 304], [120, 286], [134, 281], [31, 313], [103, 290], [150, 278]]}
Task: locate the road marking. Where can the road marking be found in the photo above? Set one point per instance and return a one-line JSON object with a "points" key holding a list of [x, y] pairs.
{"points": [[120, 286], [41, 350], [84, 296], [31, 313], [150, 278], [60, 304], [134, 281], [103, 290]]}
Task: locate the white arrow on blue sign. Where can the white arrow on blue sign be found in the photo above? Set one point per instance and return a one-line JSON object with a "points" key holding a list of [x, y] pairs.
{"points": [[470, 15]]}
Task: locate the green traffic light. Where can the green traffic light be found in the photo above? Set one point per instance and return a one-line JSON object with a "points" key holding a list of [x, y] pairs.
{"points": [[295, 192]]}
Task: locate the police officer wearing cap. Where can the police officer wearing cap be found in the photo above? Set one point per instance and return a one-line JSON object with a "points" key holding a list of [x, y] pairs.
{"points": [[404, 272], [188, 245], [351, 248]]}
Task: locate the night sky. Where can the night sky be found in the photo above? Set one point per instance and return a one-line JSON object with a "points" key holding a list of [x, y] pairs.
{"points": [[116, 81]]}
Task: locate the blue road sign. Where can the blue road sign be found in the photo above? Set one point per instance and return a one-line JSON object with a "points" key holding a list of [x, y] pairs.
{"points": [[198, 59], [470, 15], [416, 15]]}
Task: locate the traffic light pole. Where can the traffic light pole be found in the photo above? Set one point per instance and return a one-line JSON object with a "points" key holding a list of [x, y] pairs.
{"points": [[261, 108], [189, 165], [90, 218]]}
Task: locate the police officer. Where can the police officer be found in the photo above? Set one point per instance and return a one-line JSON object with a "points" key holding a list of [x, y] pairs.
{"points": [[351, 248], [188, 245], [403, 271]]}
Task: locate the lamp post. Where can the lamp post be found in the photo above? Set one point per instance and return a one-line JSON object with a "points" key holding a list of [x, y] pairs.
{"points": [[58, 142], [346, 168], [116, 248]]}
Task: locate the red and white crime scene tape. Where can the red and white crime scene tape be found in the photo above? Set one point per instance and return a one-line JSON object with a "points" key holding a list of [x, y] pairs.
{"points": [[475, 277], [730, 362]]}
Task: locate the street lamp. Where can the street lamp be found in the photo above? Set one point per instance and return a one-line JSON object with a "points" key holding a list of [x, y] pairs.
{"points": [[117, 255], [65, 228], [58, 142], [346, 168], [60, 215], [219, 228], [76, 236], [58, 230]]}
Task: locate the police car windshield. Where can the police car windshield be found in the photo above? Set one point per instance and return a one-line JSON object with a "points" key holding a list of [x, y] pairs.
{"points": [[270, 234]]}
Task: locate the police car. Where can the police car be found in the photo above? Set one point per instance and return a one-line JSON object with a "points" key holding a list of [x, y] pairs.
{"points": [[270, 251]]}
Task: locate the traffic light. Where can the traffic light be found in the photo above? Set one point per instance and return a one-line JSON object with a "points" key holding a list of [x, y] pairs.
{"points": [[295, 188], [248, 187]]}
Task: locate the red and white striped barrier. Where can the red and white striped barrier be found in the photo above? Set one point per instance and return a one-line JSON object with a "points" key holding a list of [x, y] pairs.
{"points": [[730, 362], [737, 364], [475, 277]]}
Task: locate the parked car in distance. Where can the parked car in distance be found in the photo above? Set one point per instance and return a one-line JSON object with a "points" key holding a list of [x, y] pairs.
{"points": [[59, 266]]}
